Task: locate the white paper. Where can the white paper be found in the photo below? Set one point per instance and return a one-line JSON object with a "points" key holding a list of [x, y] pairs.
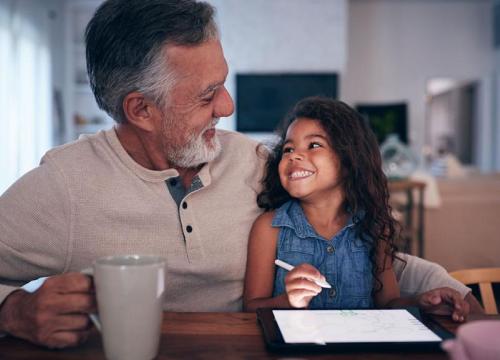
{"points": [[347, 326]]}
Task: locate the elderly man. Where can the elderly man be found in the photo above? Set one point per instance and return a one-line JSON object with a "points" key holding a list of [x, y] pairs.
{"points": [[163, 181]]}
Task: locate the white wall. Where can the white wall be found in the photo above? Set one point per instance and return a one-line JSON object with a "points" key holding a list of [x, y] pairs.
{"points": [[281, 36], [395, 46]]}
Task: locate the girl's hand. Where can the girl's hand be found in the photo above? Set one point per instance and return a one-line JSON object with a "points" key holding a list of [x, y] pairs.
{"points": [[444, 301], [300, 286]]}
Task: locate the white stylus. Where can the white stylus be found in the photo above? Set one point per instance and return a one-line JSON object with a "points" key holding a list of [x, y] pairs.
{"points": [[289, 267]]}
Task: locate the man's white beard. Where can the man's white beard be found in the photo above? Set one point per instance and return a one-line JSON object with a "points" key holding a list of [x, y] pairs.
{"points": [[196, 151]]}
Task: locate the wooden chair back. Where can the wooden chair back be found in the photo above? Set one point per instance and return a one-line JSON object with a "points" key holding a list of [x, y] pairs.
{"points": [[484, 277]]}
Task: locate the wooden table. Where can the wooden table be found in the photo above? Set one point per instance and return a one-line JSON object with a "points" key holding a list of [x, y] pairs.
{"points": [[202, 336]]}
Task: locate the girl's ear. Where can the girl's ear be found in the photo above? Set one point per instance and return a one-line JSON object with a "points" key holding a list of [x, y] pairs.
{"points": [[140, 111]]}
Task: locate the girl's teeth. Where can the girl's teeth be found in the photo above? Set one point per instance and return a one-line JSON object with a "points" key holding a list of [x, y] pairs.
{"points": [[298, 174]]}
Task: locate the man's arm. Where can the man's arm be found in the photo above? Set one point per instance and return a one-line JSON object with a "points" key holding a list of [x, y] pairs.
{"points": [[35, 221], [475, 306], [426, 281], [55, 315], [35, 216]]}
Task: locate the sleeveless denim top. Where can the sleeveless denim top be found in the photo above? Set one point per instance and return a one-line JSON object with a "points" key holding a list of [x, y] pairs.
{"points": [[343, 260]]}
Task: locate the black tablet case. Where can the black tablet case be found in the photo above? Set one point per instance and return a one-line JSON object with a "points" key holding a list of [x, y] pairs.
{"points": [[275, 342]]}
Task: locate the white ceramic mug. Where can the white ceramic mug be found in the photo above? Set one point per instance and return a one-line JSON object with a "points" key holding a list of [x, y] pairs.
{"points": [[477, 340], [129, 292]]}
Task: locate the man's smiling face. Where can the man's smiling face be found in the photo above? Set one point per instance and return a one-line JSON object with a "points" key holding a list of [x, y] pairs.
{"points": [[195, 103]]}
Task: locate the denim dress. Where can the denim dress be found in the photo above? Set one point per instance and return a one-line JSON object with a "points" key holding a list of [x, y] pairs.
{"points": [[343, 260]]}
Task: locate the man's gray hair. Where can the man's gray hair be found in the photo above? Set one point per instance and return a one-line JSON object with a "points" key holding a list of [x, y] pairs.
{"points": [[126, 42]]}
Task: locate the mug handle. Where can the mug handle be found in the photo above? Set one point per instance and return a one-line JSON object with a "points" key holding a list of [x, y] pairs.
{"points": [[93, 316]]}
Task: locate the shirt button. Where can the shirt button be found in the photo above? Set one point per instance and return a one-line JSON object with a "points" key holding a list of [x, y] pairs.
{"points": [[330, 249], [184, 205], [189, 228], [332, 292]]}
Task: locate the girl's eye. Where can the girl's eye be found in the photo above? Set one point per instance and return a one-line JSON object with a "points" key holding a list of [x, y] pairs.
{"points": [[314, 145], [287, 150]]}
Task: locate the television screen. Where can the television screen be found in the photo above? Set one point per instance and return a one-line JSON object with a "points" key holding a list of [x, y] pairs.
{"points": [[385, 119], [262, 100]]}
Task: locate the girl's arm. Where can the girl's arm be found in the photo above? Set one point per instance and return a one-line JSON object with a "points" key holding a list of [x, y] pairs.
{"points": [[259, 277], [260, 272], [389, 296]]}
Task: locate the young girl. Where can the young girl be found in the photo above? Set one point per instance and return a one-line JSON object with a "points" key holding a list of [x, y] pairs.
{"points": [[327, 214]]}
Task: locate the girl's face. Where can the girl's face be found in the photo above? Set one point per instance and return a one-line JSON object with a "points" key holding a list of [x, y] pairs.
{"points": [[309, 168]]}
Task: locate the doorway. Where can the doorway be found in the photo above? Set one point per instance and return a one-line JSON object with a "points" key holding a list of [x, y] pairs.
{"points": [[451, 118]]}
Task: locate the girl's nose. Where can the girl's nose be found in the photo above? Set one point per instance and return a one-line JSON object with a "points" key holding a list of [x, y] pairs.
{"points": [[297, 156]]}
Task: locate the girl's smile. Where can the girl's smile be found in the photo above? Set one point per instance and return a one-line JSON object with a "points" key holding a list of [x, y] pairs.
{"points": [[309, 167], [299, 173]]}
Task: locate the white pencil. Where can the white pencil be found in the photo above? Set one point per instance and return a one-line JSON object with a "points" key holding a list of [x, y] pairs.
{"points": [[289, 267]]}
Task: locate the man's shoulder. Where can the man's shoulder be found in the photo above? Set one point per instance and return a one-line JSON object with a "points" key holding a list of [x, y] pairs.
{"points": [[81, 150], [241, 160], [238, 145], [233, 138]]}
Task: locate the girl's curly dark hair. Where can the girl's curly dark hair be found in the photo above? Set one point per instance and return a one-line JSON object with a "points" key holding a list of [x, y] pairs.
{"points": [[364, 183]]}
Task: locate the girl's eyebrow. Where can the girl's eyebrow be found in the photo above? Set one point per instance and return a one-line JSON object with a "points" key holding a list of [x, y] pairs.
{"points": [[316, 135], [307, 137]]}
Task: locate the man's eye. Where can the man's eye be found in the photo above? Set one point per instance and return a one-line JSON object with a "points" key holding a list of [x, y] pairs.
{"points": [[314, 145], [209, 97]]}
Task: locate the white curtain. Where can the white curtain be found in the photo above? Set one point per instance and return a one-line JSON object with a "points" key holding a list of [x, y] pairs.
{"points": [[25, 87]]}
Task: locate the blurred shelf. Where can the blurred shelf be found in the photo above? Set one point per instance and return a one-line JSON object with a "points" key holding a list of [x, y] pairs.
{"points": [[81, 112]]}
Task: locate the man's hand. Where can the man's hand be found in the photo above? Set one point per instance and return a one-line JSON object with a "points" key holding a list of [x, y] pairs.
{"points": [[55, 315], [300, 286], [444, 301]]}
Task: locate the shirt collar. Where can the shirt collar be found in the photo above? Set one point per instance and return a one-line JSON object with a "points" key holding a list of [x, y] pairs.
{"points": [[128, 161], [291, 215], [147, 174]]}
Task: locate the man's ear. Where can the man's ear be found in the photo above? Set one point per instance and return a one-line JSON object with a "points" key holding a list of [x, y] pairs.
{"points": [[140, 111]]}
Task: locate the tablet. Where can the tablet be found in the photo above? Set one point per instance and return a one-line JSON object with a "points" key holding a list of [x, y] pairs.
{"points": [[358, 330]]}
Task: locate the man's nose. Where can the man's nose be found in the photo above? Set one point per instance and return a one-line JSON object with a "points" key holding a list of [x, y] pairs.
{"points": [[224, 105]]}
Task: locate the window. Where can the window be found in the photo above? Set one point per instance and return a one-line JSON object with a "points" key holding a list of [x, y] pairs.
{"points": [[25, 88]]}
